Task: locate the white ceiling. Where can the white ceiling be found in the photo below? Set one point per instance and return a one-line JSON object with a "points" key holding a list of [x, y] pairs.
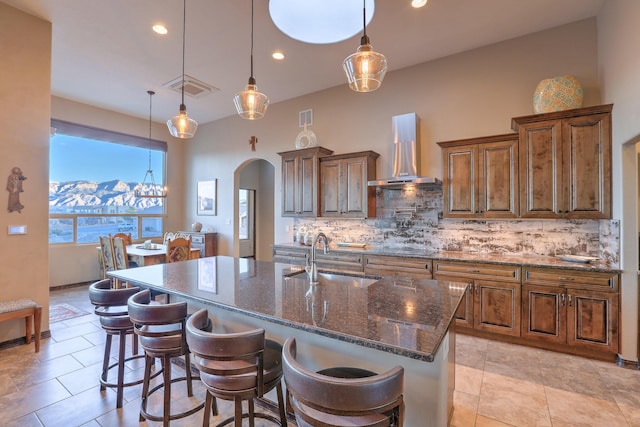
{"points": [[105, 54]]}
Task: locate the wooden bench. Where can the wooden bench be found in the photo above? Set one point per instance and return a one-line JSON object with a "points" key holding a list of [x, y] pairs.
{"points": [[30, 310]]}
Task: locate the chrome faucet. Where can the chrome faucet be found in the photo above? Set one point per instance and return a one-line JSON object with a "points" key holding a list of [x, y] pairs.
{"points": [[313, 273]]}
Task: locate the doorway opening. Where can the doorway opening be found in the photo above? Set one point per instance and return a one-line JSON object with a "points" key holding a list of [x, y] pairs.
{"points": [[246, 223]]}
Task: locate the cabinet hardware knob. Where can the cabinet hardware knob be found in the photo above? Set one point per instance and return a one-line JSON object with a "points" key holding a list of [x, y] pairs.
{"points": [[570, 300], [562, 297], [476, 287], [566, 278]]}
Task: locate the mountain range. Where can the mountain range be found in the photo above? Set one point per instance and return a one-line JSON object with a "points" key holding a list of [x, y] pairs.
{"points": [[65, 197]]}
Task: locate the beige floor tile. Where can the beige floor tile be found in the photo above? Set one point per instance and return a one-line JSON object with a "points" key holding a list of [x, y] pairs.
{"points": [[580, 378], [29, 420], [578, 409], [78, 409], [23, 402], [516, 369], [468, 380], [509, 384], [631, 414], [54, 349], [513, 408], [488, 422], [66, 333], [465, 407]]}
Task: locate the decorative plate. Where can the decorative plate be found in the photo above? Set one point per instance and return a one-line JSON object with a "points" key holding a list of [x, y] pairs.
{"points": [[306, 138], [578, 258]]}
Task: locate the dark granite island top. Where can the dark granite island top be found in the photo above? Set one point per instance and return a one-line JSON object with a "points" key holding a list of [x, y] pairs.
{"points": [[343, 321], [409, 318]]}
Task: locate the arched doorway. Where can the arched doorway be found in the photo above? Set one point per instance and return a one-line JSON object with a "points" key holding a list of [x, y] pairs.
{"points": [[253, 228]]}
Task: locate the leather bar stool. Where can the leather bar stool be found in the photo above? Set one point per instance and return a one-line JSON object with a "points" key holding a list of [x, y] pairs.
{"points": [[321, 400], [111, 307], [161, 330], [237, 367]]}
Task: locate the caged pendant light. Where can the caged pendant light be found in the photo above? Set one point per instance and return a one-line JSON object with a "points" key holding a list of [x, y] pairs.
{"points": [[181, 125], [155, 191], [251, 104], [366, 68]]}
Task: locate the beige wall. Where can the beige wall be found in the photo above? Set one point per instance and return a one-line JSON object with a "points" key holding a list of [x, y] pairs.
{"points": [[24, 119], [79, 263], [619, 67]]}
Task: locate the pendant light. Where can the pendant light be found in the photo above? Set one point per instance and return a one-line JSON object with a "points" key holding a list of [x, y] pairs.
{"points": [[155, 192], [181, 125], [366, 68], [251, 104]]}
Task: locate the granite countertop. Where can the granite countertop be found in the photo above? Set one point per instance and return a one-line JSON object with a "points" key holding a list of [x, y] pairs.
{"points": [[490, 258], [409, 317]]}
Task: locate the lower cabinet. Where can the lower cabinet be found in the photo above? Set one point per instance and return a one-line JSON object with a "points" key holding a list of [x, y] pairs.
{"points": [[332, 260], [290, 254], [492, 300], [577, 309]]}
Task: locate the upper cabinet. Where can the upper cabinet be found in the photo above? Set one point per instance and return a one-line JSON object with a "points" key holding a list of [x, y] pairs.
{"points": [[300, 171], [565, 163], [481, 177], [343, 185]]}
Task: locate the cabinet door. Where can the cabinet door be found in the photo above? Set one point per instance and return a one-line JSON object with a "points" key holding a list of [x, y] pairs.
{"points": [[543, 313], [587, 166], [498, 179], [541, 186], [354, 186], [497, 307], [289, 186], [592, 319], [330, 188], [464, 314], [460, 182], [308, 182]]}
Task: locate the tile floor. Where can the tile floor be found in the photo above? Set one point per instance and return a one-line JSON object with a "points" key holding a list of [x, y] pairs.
{"points": [[497, 384]]}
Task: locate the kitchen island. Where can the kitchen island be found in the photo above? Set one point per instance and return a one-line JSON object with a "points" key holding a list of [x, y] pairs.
{"points": [[345, 320]]}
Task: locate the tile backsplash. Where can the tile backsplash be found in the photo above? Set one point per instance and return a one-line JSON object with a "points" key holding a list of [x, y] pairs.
{"points": [[411, 218]]}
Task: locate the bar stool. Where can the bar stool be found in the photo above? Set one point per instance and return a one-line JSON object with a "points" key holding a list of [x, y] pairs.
{"points": [[321, 400], [111, 307], [236, 366], [161, 329]]}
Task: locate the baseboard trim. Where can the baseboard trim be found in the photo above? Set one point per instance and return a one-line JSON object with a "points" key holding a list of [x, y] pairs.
{"points": [[627, 364], [22, 341]]}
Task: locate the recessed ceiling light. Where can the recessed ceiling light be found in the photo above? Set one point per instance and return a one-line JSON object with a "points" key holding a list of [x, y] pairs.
{"points": [[277, 55], [160, 29], [418, 3], [319, 21]]}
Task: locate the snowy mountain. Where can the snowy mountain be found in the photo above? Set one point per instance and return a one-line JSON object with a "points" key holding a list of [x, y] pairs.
{"points": [[104, 197]]}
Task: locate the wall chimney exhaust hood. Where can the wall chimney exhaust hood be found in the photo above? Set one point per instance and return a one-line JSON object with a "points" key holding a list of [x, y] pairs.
{"points": [[406, 155]]}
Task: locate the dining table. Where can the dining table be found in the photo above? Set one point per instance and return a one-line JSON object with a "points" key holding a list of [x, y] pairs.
{"points": [[153, 254]]}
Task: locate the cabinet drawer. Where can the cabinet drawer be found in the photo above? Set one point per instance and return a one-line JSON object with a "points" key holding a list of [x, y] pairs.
{"points": [[571, 278], [197, 239], [506, 273], [339, 260], [398, 265], [290, 255]]}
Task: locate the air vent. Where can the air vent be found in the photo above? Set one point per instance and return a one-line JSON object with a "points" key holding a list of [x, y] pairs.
{"points": [[305, 118], [192, 86]]}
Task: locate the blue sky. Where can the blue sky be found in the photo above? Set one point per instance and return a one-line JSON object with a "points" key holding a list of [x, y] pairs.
{"points": [[73, 158]]}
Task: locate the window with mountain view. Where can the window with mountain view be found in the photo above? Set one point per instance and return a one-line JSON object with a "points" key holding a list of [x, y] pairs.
{"points": [[94, 176]]}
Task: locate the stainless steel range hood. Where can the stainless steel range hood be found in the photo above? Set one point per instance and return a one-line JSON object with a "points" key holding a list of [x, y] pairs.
{"points": [[406, 155]]}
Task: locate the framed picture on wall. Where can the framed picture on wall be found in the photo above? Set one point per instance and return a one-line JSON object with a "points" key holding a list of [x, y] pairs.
{"points": [[207, 197]]}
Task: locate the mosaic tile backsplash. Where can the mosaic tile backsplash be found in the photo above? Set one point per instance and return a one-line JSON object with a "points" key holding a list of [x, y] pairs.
{"points": [[412, 218]]}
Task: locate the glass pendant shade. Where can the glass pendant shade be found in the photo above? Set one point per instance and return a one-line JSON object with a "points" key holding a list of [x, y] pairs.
{"points": [[251, 104], [181, 125], [366, 68]]}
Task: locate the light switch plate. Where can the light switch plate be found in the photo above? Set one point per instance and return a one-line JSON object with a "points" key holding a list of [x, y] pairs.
{"points": [[16, 229]]}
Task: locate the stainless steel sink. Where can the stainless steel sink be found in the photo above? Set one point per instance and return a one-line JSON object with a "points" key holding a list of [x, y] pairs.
{"points": [[339, 279]]}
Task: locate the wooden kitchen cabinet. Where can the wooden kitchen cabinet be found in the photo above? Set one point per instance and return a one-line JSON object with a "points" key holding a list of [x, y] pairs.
{"points": [[332, 260], [492, 301], [565, 163], [481, 177], [344, 191], [383, 265], [296, 255], [576, 309], [300, 178]]}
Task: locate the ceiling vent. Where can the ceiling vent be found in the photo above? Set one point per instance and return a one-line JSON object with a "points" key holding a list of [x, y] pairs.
{"points": [[192, 86]]}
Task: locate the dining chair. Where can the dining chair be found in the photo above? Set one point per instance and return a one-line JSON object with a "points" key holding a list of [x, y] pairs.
{"points": [[128, 240], [322, 400], [107, 256], [178, 249], [169, 235]]}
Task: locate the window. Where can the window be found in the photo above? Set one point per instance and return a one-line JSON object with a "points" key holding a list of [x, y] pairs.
{"points": [[93, 174]]}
